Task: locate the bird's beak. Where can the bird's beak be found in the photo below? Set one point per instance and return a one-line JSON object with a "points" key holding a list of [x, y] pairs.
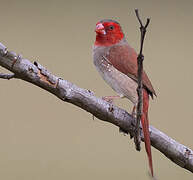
{"points": [[100, 29]]}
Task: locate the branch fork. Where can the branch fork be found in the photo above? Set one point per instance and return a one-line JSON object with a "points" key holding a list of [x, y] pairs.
{"points": [[140, 59]]}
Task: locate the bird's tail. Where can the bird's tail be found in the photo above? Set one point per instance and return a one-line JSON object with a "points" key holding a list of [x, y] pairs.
{"points": [[145, 126]]}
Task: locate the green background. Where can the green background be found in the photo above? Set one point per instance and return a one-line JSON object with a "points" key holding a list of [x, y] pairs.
{"points": [[42, 138]]}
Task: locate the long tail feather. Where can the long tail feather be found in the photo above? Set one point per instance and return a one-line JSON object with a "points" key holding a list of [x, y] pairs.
{"points": [[145, 126]]}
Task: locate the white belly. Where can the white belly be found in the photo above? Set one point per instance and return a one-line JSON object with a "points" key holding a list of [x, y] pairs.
{"points": [[119, 82]]}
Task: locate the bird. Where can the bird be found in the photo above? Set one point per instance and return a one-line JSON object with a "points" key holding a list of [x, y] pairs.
{"points": [[116, 62]]}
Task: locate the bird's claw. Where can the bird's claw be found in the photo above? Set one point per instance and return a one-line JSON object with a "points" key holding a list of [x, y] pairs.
{"points": [[108, 99]]}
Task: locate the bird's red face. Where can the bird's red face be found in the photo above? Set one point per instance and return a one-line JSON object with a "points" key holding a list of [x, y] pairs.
{"points": [[108, 33]]}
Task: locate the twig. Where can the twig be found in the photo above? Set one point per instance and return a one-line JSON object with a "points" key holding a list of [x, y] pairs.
{"points": [[6, 76], [140, 59], [85, 99]]}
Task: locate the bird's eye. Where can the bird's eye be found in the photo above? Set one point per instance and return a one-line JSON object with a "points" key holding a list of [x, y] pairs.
{"points": [[111, 27]]}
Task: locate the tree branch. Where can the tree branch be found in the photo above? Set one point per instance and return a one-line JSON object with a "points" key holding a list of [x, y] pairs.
{"points": [[140, 59], [6, 76], [68, 92]]}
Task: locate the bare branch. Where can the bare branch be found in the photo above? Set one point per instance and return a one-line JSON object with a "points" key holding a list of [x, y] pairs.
{"points": [[137, 14], [140, 59], [68, 92], [6, 76]]}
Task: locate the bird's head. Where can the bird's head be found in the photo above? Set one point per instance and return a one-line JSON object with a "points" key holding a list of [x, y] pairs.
{"points": [[108, 32]]}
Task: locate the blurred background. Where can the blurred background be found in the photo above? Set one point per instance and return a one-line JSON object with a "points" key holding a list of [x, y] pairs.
{"points": [[43, 138]]}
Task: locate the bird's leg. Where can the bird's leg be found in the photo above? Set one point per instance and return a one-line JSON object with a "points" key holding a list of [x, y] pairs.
{"points": [[110, 99], [133, 111]]}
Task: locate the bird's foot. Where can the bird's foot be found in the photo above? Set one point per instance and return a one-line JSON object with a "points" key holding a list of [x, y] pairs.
{"points": [[110, 99], [133, 113]]}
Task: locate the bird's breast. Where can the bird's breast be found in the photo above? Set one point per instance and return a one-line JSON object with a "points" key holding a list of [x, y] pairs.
{"points": [[119, 82]]}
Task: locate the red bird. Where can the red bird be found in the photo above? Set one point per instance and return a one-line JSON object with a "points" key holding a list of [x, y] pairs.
{"points": [[116, 62]]}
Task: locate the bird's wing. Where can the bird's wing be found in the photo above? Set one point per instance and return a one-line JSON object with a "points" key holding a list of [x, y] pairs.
{"points": [[124, 59]]}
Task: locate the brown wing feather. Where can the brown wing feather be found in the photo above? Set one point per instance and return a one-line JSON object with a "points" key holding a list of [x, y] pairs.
{"points": [[124, 59]]}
